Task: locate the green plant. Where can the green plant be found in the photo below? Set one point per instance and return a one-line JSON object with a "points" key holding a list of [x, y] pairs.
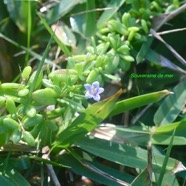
{"points": [[45, 114]]}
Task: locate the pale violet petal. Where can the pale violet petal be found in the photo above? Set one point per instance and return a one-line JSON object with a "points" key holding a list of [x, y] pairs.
{"points": [[95, 84], [88, 87], [88, 95], [97, 97], [100, 90]]}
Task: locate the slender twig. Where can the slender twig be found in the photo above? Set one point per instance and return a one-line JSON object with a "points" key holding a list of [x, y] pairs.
{"points": [[169, 31], [51, 169]]}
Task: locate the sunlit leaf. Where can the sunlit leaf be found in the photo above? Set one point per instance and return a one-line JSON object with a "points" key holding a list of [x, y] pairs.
{"points": [[124, 154], [138, 101], [86, 121]]}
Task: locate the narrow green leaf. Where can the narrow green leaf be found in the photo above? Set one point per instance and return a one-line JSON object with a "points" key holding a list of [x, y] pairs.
{"points": [[138, 101], [112, 8], [86, 121], [166, 160], [29, 29], [164, 139], [172, 105], [179, 126], [124, 154], [90, 18]]}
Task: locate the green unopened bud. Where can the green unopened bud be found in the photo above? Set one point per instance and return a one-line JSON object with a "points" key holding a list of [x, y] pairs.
{"points": [[100, 60], [64, 75], [126, 19], [26, 72], [127, 58], [118, 27], [10, 105], [10, 123], [115, 62], [16, 136], [23, 92], [92, 76], [133, 28], [45, 96], [11, 85], [28, 138], [113, 42], [124, 49], [137, 36], [102, 48], [2, 101], [144, 26], [131, 35], [31, 111], [104, 30]]}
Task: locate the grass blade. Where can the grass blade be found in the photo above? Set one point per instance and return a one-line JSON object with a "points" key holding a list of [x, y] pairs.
{"points": [[163, 170], [90, 19]]}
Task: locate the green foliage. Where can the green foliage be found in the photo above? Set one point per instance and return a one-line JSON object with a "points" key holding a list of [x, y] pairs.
{"points": [[45, 115]]}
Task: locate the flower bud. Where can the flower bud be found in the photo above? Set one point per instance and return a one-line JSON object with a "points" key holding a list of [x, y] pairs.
{"points": [[26, 72]]}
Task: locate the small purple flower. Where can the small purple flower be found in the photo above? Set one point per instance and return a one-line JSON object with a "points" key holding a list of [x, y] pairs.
{"points": [[93, 91]]}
